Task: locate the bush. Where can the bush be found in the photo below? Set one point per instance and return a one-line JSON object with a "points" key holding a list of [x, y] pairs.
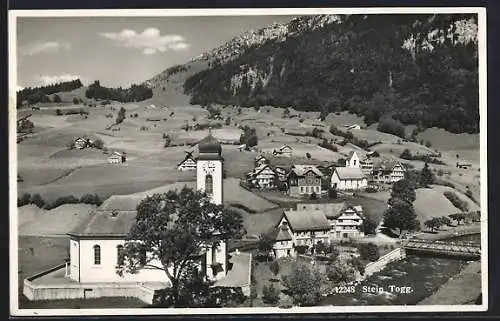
{"points": [[370, 189], [327, 145], [37, 200], [91, 199], [98, 143], [301, 249], [456, 201], [24, 200], [62, 200], [368, 251], [391, 126], [58, 112], [369, 226], [270, 294]]}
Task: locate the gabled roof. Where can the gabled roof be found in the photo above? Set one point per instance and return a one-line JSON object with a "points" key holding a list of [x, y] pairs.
{"points": [[387, 165], [309, 220], [301, 170], [105, 224], [349, 173], [280, 234], [330, 210], [189, 156], [262, 167], [285, 146], [351, 153], [115, 154]]}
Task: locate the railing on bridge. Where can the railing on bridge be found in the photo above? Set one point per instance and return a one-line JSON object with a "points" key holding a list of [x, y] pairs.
{"points": [[468, 249]]}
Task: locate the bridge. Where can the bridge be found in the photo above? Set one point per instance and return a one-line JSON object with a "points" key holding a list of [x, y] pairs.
{"points": [[463, 250]]}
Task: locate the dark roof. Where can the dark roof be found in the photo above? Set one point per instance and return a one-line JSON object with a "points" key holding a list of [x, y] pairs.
{"points": [[209, 145], [105, 224], [387, 165], [301, 170], [280, 234], [308, 220], [331, 210]]}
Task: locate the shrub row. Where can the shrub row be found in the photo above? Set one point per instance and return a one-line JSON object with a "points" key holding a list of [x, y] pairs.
{"points": [[37, 200]]}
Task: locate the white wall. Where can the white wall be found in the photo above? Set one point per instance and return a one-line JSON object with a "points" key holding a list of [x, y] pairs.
{"points": [[106, 271], [216, 173], [74, 252], [220, 257]]}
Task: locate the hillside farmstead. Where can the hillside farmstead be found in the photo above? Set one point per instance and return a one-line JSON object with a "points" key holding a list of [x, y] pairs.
{"points": [[96, 247], [188, 163], [117, 158]]}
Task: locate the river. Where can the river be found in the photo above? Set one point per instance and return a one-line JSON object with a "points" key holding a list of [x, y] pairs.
{"points": [[421, 275]]}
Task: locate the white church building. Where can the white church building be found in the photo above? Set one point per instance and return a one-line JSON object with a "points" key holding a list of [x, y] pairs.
{"points": [[350, 177], [96, 247]]}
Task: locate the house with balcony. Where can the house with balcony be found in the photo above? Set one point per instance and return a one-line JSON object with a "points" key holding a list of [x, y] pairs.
{"points": [[264, 176], [388, 172], [306, 228], [303, 180]]}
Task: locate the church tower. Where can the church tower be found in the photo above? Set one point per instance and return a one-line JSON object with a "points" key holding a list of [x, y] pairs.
{"points": [[209, 178], [209, 168]]}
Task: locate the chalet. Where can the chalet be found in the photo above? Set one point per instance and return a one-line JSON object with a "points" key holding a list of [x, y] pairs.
{"points": [[304, 180], [283, 241], [264, 176], [261, 160], [188, 163], [366, 165], [348, 179], [348, 223], [463, 165], [345, 221], [81, 143], [388, 172], [284, 150], [305, 227], [281, 172], [117, 158]]}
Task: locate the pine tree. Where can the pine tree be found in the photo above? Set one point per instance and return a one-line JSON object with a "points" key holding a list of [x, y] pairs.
{"points": [[426, 176]]}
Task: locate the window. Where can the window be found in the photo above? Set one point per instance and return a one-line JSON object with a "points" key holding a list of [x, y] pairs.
{"points": [[97, 255], [209, 184], [302, 189], [354, 162], [120, 255]]}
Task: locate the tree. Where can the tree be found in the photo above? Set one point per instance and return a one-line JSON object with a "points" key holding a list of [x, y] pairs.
{"points": [[121, 115], [168, 141], [305, 284], [401, 216], [426, 176], [313, 196], [391, 126], [458, 217], [56, 98], [172, 228], [320, 248], [332, 193], [37, 200], [368, 251], [24, 200], [274, 267], [402, 190], [249, 137], [98, 143], [369, 226], [270, 294], [76, 101], [308, 155], [58, 112], [340, 272], [406, 154], [265, 244]]}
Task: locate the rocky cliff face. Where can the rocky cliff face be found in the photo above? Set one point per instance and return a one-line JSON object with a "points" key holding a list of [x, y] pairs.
{"points": [[420, 69]]}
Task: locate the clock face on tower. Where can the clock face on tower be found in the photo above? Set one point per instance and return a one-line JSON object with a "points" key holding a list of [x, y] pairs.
{"points": [[209, 167]]}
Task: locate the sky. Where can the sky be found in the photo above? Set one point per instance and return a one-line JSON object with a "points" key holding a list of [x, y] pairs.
{"points": [[119, 51]]}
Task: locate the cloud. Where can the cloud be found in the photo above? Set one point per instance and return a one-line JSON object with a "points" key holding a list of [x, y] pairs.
{"points": [[150, 41], [48, 47], [45, 80]]}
